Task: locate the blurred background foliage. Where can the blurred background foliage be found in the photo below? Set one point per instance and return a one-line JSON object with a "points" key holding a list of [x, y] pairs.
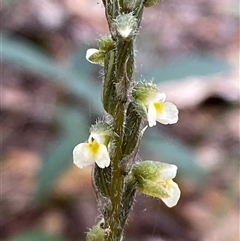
{"points": [[51, 95]]}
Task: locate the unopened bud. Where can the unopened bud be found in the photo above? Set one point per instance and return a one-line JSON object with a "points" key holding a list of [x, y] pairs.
{"points": [[95, 56], [126, 25], [106, 43], [95, 234]]}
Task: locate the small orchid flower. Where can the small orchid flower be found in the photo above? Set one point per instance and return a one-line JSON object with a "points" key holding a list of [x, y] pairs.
{"points": [[95, 149], [153, 101], [155, 179]]}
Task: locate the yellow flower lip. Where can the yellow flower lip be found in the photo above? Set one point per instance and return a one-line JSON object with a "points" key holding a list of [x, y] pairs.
{"points": [[94, 147], [159, 107]]}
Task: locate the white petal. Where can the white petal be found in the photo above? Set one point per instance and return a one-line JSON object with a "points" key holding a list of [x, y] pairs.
{"points": [[161, 96], [89, 53], [167, 171], [100, 139], [174, 195], [82, 155], [151, 115], [102, 158], [168, 114], [158, 96]]}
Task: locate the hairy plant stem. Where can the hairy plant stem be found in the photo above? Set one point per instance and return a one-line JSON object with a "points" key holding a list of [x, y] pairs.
{"points": [[117, 184], [117, 180], [119, 72]]}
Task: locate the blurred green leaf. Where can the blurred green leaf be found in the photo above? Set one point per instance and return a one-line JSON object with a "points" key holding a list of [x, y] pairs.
{"points": [[79, 62], [59, 156], [182, 67], [28, 56], [163, 148], [36, 236]]}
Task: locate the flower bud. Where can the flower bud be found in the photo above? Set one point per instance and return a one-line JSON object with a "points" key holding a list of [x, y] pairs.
{"points": [[95, 56], [95, 234], [126, 25], [106, 43]]}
